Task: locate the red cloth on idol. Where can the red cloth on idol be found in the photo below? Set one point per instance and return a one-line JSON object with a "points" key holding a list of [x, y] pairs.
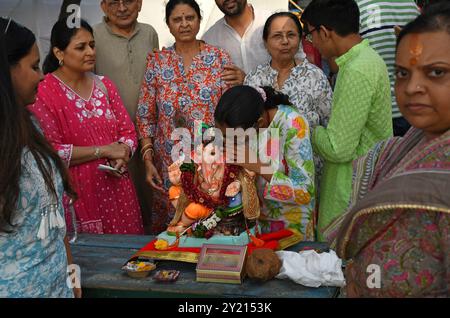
{"points": [[270, 239]]}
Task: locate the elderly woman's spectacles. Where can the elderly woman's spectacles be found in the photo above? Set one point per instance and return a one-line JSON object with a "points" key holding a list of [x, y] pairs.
{"points": [[115, 4]]}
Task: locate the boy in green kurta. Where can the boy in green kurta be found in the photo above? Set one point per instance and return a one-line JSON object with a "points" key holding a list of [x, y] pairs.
{"points": [[361, 110]]}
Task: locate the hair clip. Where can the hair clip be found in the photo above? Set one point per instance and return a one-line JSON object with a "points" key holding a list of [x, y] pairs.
{"points": [[262, 92], [7, 26]]}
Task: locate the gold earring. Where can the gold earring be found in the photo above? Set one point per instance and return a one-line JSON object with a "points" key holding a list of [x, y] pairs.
{"points": [[61, 62]]}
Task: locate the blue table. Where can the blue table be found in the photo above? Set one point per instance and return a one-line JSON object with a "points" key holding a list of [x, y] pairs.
{"points": [[101, 257]]}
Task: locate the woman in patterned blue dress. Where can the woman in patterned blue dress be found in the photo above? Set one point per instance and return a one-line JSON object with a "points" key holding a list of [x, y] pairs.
{"points": [[33, 249]]}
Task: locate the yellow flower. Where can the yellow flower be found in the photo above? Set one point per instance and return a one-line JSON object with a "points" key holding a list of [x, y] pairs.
{"points": [[300, 124], [293, 215], [161, 244], [302, 197]]}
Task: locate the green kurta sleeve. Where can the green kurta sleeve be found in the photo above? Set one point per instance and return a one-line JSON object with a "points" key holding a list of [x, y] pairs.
{"points": [[351, 106]]}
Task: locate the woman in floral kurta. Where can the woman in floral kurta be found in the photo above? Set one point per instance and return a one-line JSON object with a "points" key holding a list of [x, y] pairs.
{"points": [[33, 254], [33, 262], [106, 204], [171, 98], [289, 196], [288, 190]]}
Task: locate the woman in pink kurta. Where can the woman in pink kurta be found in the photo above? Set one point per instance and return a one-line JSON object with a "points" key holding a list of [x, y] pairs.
{"points": [[106, 204], [89, 126]]}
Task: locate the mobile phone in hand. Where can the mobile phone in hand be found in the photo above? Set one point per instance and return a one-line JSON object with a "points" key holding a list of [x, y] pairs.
{"points": [[108, 168]]}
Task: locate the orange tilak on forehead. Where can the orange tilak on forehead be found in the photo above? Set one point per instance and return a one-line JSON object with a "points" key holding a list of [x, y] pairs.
{"points": [[415, 49]]}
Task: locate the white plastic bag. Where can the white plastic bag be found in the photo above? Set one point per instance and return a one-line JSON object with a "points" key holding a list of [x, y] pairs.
{"points": [[311, 269]]}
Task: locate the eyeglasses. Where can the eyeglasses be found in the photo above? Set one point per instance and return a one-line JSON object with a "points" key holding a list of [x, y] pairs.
{"points": [[279, 37], [115, 4], [308, 35]]}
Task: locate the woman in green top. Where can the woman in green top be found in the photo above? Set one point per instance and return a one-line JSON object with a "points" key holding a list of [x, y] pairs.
{"points": [[361, 110]]}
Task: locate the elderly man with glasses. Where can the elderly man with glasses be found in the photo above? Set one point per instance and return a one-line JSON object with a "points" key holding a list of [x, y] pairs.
{"points": [[122, 46]]}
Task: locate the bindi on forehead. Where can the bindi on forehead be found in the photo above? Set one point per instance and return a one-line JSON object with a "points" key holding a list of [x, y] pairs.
{"points": [[415, 49], [183, 14]]}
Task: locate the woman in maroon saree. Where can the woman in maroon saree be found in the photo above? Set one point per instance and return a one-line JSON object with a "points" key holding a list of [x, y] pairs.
{"points": [[396, 235]]}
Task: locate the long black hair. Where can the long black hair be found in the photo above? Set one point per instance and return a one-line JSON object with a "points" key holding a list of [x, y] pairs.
{"points": [[241, 106], [60, 38], [341, 16], [435, 18], [17, 130]]}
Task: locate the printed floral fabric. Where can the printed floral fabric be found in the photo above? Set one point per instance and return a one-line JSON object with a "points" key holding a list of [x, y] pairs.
{"points": [[106, 204], [399, 220], [308, 90], [29, 266], [412, 255], [307, 87], [173, 98], [290, 194]]}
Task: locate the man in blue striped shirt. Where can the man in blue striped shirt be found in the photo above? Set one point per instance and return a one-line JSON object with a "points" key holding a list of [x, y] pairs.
{"points": [[377, 22]]}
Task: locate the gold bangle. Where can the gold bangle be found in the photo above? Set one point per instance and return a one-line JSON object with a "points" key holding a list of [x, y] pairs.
{"points": [[147, 151], [145, 147]]}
